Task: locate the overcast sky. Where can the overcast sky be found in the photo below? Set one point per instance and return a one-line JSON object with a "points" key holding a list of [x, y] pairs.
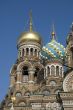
{"points": [[14, 18]]}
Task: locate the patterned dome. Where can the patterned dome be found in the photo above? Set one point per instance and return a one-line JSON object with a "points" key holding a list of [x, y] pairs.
{"points": [[53, 50]]}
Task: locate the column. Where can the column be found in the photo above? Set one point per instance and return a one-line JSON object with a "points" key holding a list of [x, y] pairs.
{"points": [[31, 72], [29, 52], [55, 70], [50, 69], [19, 79]]}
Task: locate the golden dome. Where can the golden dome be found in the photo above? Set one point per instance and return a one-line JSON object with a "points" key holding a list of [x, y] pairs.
{"points": [[29, 36]]}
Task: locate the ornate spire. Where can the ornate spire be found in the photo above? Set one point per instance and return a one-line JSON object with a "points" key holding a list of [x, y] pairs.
{"points": [[30, 21], [53, 32]]}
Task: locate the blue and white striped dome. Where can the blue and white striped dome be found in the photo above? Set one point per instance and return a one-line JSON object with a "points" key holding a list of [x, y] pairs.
{"points": [[53, 50]]}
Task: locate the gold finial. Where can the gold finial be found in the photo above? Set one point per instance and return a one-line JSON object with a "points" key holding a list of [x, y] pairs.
{"points": [[53, 32], [30, 21], [13, 99]]}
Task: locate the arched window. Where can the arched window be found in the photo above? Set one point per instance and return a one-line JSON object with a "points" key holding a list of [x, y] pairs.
{"points": [[52, 70], [57, 70], [48, 70], [22, 52], [52, 83], [35, 52], [36, 73], [18, 94], [25, 74], [27, 93], [46, 92], [27, 51], [31, 51]]}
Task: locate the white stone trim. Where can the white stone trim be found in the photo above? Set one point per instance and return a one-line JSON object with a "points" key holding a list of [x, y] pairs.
{"points": [[18, 82]]}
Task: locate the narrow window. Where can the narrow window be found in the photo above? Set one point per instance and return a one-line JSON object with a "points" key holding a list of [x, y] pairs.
{"points": [[48, 70], [31, 51], [22, 52], [35, 52], [57, 70], [25, 74], [36, 73]]}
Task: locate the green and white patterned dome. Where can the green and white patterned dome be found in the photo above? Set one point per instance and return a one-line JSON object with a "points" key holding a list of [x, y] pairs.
{"points": [[53, 49]]}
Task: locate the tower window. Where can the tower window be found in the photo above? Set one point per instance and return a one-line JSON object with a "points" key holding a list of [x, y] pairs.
{"points": [[31, 51], [25, 74], [22, 52], [35, 51], [25, 70], [48, 70], [57, 70], [36, 73]]}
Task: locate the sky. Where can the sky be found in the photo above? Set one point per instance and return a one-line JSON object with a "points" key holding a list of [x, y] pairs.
{"points": [[14, 19]]}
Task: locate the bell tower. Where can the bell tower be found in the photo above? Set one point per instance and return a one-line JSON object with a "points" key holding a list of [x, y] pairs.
{"points": [[69, 48], [25, 74]]}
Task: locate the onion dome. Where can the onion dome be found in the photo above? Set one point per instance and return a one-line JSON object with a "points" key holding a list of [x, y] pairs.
{"points": [[29, 35], [53, 49]]}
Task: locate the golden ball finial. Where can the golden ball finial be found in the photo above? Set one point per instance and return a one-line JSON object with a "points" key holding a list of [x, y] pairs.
{"points": [[53, 35], [53, 32]]}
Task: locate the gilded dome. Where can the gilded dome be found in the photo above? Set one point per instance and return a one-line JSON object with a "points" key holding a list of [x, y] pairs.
{"points": [[29, 36], [53, 50]]}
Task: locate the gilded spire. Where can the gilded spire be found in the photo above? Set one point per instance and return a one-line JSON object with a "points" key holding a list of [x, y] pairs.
{"points": [[30, 21], [53, 32]]}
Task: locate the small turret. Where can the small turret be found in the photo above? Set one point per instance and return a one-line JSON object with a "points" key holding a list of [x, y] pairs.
{"points": [[69, 48]]}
